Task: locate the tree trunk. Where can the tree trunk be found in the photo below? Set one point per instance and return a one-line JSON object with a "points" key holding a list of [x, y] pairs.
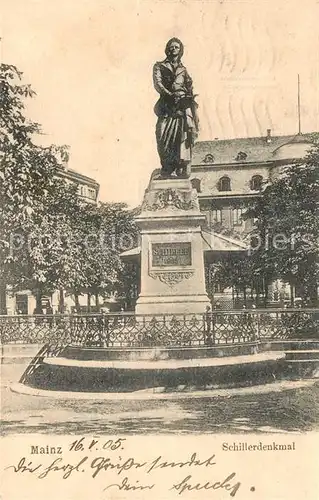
{"points": [[77, 303], [211, 275], [61, 301], [38, 303], [245, 296], [265, 292], [97, 303], [292, 295], [88, 302], [310, 294], [314, 295], [257, 294], [3, 297]]}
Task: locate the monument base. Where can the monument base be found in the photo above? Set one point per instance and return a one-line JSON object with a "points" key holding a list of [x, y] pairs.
{"points": [[172, 260], [182, 304]]}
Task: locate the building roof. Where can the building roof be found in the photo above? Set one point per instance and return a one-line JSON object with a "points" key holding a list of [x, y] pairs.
{"points": [[216, 242], [77, 177], [257, 149], [131, 253]]}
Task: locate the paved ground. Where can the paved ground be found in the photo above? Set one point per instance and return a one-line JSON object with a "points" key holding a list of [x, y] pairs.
{"points": [[289, 407]]}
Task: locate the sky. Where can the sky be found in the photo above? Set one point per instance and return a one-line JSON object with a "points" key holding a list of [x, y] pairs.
{"points": [[90, 63]]}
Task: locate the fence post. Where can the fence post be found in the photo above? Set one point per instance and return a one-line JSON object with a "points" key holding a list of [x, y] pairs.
{"points": [[100, 322], [106, 332], [208, 322], [214, 318], [256, 331]]}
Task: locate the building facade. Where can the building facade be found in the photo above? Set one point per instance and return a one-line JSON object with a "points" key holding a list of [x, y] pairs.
{"points": [[228, 175], [88, 188]]}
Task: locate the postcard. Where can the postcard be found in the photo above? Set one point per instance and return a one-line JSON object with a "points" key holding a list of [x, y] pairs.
{"points": [[159, 238]]}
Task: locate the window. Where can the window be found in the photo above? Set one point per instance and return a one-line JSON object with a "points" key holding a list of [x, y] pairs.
{"points": [[81, 190], [196, 184], [256, 183], [237, 216], [209, 159], [216, 216], [241, 156], [91, 193], [224, 184]]}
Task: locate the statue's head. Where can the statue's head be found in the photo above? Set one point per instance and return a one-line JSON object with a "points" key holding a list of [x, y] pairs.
{"points": [[174, 47]]}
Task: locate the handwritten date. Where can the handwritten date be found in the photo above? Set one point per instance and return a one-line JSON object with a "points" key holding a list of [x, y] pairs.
{"points": [[95, 444]]}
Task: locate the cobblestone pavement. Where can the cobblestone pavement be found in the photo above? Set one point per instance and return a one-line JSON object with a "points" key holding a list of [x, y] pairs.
{"points": [[290, 407]]}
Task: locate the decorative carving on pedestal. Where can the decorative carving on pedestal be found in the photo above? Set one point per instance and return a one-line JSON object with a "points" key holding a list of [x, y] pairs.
{"points": [[171, 198], [171, 278]]}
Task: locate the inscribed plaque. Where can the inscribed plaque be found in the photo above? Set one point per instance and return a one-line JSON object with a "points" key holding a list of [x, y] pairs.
{"points": [[171, 254]]}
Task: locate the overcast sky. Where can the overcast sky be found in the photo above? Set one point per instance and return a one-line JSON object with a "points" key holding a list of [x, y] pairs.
{"points": [[90, 62]]}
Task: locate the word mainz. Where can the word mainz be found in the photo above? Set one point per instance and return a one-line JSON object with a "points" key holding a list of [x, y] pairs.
{"points": [[46, 450]]}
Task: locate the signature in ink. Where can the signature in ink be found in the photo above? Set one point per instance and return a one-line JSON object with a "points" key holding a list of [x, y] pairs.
{"points": [[187, 484]]}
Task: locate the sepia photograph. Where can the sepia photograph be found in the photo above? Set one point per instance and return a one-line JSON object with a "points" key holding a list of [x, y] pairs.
{"points": [[159, 231]]}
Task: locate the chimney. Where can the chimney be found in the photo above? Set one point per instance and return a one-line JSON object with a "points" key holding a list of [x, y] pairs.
{"points": [[268, 136]]}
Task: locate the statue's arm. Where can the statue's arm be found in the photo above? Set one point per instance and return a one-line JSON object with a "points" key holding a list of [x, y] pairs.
{"points": [[189, 83], [158, 83]]}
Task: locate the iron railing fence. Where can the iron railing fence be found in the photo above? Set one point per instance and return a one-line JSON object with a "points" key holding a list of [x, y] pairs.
{"points": [[130, 330]]}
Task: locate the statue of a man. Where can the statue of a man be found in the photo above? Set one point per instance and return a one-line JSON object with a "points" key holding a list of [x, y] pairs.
{"points": [[177, 124]]}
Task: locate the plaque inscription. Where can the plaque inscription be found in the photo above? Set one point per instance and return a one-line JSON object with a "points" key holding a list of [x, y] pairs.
{"points": [[171, 254]]}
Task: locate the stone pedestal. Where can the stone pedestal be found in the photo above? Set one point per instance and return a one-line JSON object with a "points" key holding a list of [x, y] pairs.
{"points": [[172, 262]]}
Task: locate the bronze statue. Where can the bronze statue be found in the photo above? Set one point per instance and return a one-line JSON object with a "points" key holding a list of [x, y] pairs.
{"points": [[177, 123]]}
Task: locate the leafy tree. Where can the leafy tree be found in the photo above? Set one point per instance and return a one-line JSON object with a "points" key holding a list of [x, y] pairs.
{"points": [[27, 171], [109, 229], [50, 257], [287, 226], [237, 272], [50, 240]]}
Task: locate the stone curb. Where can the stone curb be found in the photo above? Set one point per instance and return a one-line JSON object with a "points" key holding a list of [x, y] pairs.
{"points": [[155, 394], [171, 364]]}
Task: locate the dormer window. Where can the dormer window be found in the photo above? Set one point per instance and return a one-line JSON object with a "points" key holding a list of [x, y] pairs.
{"points": [[241, 156], [224, 184], [256, 183], [209, 158], [196, 184]]}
